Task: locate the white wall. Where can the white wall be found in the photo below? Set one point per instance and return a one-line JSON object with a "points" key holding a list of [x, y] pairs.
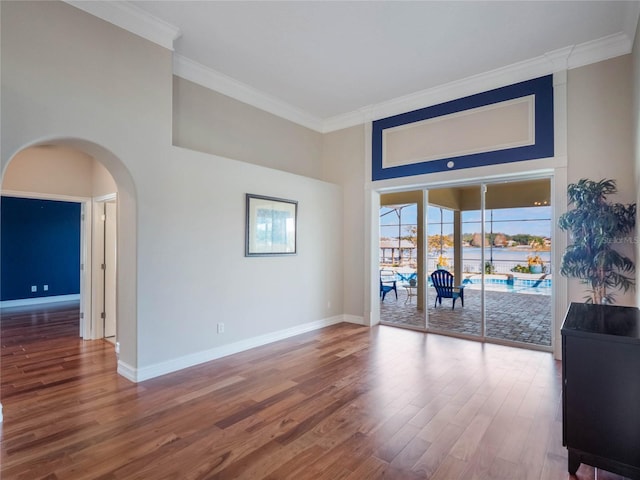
{"points": [[343, 163], [600, 144], [66, 74], [102, 182], [57, 170], [200, 276], [210, 122], [600, 138]]}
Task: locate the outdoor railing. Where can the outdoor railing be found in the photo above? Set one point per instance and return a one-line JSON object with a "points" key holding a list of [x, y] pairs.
{"points": [[471, 266], [475, 266]]}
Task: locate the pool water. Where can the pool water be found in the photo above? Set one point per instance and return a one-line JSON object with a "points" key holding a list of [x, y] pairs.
{"points": [[514, 285]]}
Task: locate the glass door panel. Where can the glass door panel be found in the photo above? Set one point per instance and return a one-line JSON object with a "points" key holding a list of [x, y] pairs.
{"points": [[448, 254], [400, 304], [517, 269]]}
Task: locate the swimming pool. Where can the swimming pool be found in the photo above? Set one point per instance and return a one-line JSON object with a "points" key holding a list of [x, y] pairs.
{"points": [[535, 286]]}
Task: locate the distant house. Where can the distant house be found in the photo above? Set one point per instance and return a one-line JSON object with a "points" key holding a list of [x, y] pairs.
{"points": [[394, 252], [500, 240]]}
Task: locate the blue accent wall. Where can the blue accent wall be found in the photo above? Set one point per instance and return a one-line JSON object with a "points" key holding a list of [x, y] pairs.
{"points": [[541, 87], [39, 245]]}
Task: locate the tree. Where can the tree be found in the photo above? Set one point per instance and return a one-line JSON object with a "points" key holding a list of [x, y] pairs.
{"points": [[412, 234], [595, 225], [437, 243]]}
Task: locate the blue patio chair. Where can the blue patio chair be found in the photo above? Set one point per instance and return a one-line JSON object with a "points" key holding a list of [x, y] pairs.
{"points": [[387, 283], [407, 276], [442, 280]]}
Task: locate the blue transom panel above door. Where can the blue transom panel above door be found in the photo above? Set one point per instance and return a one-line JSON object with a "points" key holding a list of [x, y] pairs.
{"points": [[508, 124]]}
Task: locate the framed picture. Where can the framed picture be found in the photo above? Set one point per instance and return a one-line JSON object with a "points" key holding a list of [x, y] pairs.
{"points": [[271, 226]]}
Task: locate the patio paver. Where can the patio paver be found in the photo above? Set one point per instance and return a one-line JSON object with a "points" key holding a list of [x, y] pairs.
{"points": [[516, 317]]}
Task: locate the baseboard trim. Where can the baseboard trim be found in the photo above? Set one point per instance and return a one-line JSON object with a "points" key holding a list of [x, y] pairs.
{"points": [[127, 371], [27, 302], [353, 319], [169, 366]]}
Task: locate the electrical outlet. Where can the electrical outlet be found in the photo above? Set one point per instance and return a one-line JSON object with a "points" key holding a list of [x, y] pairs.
{"points": [[220, 327], [34, 288], [45, 288]]}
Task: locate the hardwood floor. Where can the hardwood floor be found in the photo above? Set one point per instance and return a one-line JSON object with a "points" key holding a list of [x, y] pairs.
{"points": [[345, 402]]}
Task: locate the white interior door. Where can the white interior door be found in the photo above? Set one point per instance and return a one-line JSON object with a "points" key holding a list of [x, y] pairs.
{"points": [[110, 270]]}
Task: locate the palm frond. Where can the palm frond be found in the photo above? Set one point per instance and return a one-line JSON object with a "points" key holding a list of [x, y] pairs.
{"points": [[595, 226]]}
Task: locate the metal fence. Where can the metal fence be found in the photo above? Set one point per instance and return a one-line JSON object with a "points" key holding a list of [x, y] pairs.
{"points": [[475, 266]]}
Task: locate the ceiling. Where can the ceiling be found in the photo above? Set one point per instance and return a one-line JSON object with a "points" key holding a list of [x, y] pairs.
{"points": [[325, 60]]}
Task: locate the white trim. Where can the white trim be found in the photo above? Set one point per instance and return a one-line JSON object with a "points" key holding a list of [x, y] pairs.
{"points": [[85, 270], [599, 50], [371, 249], [186, 361], [25, 302], [358, 320], [138, 21], [551, 62], [631, 20], [344, 120], [576, 56], [106, 198], [560, 291], [186, 68], [85, 250], [554, 168], [94, 300], [44, 196], [133, 19], [127, 371], [0, 413], [559, 58]]}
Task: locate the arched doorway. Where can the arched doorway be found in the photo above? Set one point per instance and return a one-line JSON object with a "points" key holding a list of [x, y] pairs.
{"points": [[125, 237]]}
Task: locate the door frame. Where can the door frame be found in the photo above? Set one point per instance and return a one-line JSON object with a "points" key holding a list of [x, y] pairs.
{"points": [[90, 325], [85, 324], [557, 178], [97, 274], [483, 186]]}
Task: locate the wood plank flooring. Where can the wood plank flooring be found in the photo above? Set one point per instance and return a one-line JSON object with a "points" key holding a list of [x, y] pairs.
{"points": [[345, 402]]}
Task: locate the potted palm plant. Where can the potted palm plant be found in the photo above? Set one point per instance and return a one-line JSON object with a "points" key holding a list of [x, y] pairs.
{"points": [[595, 226]]}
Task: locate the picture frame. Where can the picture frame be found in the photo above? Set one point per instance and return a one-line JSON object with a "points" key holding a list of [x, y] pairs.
{"points": [[271, 226]]}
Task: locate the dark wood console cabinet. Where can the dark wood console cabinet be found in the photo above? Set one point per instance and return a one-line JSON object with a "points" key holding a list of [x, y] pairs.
{"points": [[601, 388]]}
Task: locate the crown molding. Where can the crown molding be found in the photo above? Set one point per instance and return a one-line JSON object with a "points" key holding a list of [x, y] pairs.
{"points": [[346, 120], [559, 58], [450, 91], [631, 20], [551, 62], [131, 18], [599, 50], [195, 72]]}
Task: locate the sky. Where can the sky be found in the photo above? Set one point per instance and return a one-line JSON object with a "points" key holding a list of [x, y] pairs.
{"points": [[531, 220]]}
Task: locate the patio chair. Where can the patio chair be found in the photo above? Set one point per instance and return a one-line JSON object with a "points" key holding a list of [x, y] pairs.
{"points": [[387, 283], [442, 280]]}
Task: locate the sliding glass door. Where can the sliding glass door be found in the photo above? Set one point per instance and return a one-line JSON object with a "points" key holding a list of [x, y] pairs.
{"points": [[454, 305], [491, 246], [517, 281], [401, 224]]}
